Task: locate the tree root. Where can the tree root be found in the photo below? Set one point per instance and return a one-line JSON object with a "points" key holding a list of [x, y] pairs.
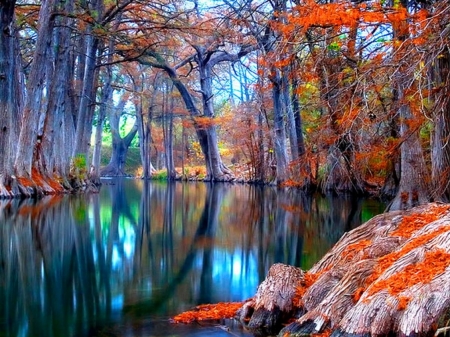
{"points": [[273, 301], [390, 276], [39, 185]]}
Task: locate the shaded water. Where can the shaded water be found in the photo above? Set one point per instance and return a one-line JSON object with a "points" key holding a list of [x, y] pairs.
{"points": [[122, 262]]}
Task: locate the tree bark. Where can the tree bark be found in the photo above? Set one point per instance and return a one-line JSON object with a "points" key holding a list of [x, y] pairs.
{"points": [[105, 101], [279, 128], [7, 93], [144, 112], [52, 154], [167, 124], [87, 101], [414, 185], [273, 302], [440, 151], [390, 276], [28, 140]]}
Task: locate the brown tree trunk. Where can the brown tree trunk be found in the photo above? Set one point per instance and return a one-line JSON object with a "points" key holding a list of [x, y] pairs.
{"points": [[7, 94], [51, 155], [87, 101], [167, 126], [279, 127], [215, 169], [440, 150], [28, 140], [144, 111], [414, 185]]}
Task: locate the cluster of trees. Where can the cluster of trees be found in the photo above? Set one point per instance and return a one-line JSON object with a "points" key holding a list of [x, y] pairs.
{"points": [[350, 96]]}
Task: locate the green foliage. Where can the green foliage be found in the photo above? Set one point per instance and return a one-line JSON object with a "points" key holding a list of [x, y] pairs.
{"points": [[79, 166], [334, 46], [160, 175]]}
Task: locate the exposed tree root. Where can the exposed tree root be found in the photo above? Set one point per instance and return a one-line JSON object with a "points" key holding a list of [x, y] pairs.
{"points": [[273, 303], [38, 185], [390, 276]]}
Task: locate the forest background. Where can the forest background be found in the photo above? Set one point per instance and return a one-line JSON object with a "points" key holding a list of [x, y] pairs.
{"points": [[345, 96]]}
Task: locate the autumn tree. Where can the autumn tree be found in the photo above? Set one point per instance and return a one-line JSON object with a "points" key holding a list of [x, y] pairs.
{"points": [[364, 116], [205, 50], [56, 115]]}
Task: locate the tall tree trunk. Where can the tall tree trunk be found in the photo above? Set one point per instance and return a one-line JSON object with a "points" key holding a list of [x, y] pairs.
{"points": [[145, 135], [7, 93], [440, 149], [215, 169], [105, 101], [279, 133], [292, 131], [31, 111], [87, 102], [51, 155], [168, 132], [414, 186], [304, 175]]}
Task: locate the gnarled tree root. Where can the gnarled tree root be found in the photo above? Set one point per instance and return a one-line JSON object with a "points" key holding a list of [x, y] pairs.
{"points": [[390, 276], [273, 302]]}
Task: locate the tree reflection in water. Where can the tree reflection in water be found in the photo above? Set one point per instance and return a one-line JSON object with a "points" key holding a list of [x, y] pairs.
{"points": [[122, 262]]}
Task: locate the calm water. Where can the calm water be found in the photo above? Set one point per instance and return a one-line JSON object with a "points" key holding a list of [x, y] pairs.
{"points": [[122, 262]]}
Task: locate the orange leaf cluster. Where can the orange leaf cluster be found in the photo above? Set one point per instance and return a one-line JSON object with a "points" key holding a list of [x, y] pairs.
{"points": [[351, 250], [402, 302], [342, 14], [205, 122], [414, 222], [209, 312], [434, 263], [308, 280]]}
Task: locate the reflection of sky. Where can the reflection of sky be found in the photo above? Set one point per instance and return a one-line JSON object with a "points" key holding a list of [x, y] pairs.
{"points": [[123, 248], [228, 271]]}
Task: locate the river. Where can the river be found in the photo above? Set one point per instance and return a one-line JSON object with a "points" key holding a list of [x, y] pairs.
{"points": [[126, 260]]}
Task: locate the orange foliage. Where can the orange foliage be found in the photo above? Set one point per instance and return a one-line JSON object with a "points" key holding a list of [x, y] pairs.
{"points": [[342, 14], [351, 250], [414, 222], [434, 263], [209, 312], [308, 281], [402, 302]]}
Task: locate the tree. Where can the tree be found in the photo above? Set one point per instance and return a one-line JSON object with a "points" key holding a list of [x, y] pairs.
{"points": [[41, 164], [414, 182], [120, 145], [39, 74], [8, 90]]}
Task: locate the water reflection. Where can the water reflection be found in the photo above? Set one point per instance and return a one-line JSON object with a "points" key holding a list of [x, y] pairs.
{"points": [[122, 262]]}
